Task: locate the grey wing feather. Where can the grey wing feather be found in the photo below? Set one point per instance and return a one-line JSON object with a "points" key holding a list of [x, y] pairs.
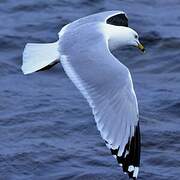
{"points": [[110, 17], [107, 86]]}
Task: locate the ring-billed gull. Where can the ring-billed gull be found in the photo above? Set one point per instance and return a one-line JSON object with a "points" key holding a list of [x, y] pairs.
{"points": [[84, 49]]}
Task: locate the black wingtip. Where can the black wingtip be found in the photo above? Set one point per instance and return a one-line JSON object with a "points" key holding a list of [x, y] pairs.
{"points": [[130, 161], [118, 20]]}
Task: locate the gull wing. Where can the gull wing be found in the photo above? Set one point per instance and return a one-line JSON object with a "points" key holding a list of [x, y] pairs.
{"points": [[117, 18], [107, 85]]}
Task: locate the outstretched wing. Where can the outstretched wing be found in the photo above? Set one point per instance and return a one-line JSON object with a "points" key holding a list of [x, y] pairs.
{"points": [[108, 88], [117, 18]]}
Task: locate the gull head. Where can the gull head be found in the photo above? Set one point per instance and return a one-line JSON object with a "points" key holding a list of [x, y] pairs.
{"points": [[120, 36]]}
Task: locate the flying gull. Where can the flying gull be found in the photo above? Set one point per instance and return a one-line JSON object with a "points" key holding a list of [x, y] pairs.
{"points": [[84, 50]]}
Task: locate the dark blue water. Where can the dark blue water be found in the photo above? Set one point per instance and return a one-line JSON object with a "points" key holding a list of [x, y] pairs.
{"points": [[47, 131]]}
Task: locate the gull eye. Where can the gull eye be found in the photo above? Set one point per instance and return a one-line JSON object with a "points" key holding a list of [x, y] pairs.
{"points": [[135, 36]]}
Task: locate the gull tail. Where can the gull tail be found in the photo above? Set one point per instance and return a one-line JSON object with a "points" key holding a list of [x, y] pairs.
{"points": [[37, 57]]}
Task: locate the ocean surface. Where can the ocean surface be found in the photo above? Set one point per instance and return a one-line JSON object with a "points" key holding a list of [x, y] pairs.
{"points": [[47, 131]]}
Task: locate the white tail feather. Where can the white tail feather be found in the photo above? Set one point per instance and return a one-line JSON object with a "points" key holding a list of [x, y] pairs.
{"points": [[37, 56]]}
